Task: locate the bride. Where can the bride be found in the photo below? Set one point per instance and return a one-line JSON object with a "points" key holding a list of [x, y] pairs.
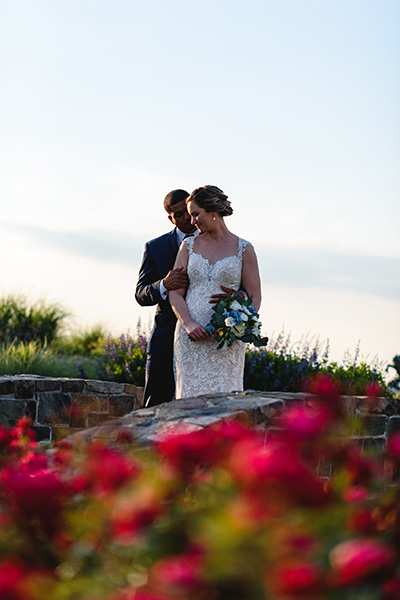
{"points": [[213, 259]]}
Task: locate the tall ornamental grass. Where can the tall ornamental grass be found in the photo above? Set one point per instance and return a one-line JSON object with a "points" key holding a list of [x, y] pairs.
{"points": [[21, 321], [88, 342], [34, 359]]}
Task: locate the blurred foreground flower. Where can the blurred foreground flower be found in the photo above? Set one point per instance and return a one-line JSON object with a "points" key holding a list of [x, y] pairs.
{"points": [[355, 561], [222, 513]]}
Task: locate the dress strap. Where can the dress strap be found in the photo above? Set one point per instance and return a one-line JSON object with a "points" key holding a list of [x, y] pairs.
{"points": [[189, 242], [242, 247]]}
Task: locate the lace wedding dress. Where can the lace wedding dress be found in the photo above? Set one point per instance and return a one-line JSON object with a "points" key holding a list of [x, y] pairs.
{"points": [[200, 368]]}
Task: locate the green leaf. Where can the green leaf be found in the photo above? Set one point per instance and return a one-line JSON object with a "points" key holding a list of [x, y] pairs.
{"points": [[258, 342]]}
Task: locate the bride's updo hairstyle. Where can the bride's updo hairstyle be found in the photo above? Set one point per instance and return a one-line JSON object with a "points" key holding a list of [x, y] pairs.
{"points": [[211, 199]]}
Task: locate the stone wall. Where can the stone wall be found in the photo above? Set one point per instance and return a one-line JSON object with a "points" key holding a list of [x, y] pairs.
{"points": [[87, 409], [61, 406], [259, 408]]}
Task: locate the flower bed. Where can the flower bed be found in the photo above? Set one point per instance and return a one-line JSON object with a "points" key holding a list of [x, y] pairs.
{"points": [[219, 514]]}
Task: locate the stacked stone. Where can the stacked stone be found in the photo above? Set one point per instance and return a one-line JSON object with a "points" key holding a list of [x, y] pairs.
{"points": [[258, 408], [62, 406]]}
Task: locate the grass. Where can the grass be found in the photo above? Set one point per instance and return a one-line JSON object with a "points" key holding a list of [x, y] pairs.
{"points": [[34, 359], [22, 321]]}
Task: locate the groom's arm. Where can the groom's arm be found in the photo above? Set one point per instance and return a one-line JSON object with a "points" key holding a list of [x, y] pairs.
{"points": [[148, 285], [148, 291]]}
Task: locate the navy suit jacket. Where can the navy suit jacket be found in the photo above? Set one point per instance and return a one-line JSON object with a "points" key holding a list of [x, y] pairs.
{"points": [[158, 259]]}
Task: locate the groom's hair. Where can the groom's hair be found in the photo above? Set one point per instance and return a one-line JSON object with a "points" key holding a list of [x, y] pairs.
{"points": [[173, 198]]}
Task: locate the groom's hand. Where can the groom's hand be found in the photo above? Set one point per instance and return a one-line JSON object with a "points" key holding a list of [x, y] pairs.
{"points": [[176, 279], [226, 292]]}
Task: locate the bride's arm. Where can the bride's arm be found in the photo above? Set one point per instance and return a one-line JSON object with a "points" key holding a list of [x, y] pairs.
{"points": [[251, 276], [177, 301]]}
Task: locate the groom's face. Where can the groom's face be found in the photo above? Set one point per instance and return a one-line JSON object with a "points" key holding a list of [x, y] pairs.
{"points": [[180, 217]]}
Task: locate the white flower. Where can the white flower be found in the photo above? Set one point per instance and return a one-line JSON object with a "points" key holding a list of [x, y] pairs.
{"points": [[229, 322], [244, 317], [236, 305], [239, 329]]}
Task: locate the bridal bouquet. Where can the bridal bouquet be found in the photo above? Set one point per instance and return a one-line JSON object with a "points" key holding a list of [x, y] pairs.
{"points": [[235, 319]]}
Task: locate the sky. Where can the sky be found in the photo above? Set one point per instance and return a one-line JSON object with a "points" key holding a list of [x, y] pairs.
{"points": [[290, 106]]}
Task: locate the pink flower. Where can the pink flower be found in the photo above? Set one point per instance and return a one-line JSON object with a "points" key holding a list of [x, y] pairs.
{"points": [[355, 494], [276, 471], [298, 579], [185, 452], [12, 578], [305, 423], [373, 390], [107, 469], [131, 517], [324, 386], [35, 491], [361, 560], [182, 571]]}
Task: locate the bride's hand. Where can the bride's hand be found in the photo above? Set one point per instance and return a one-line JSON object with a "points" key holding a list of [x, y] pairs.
{"points": [[226, 292], [196, 331]]}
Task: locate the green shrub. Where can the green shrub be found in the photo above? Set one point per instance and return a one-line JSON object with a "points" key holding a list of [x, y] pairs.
{"points": [[22, 322], [124, 360], [395, 383], [285, 368], [89, 342]]}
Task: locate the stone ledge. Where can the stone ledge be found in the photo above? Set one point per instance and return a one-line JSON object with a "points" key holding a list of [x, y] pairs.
{"points": [[146, 425]]}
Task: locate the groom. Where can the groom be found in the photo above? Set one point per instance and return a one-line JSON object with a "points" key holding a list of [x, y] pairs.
{"points": [[156, 277]]}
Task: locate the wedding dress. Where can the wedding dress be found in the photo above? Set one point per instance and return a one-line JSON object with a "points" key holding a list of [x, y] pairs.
{"points": [[201, 368]]}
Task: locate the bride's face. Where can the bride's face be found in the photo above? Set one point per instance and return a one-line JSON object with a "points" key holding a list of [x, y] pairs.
{"points": [[199, 217]]}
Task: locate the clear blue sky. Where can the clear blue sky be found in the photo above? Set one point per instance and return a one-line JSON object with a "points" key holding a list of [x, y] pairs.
{"points": [[291, 107]]}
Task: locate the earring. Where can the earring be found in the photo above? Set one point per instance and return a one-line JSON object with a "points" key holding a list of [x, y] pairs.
{"points": [[213, 217]]}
